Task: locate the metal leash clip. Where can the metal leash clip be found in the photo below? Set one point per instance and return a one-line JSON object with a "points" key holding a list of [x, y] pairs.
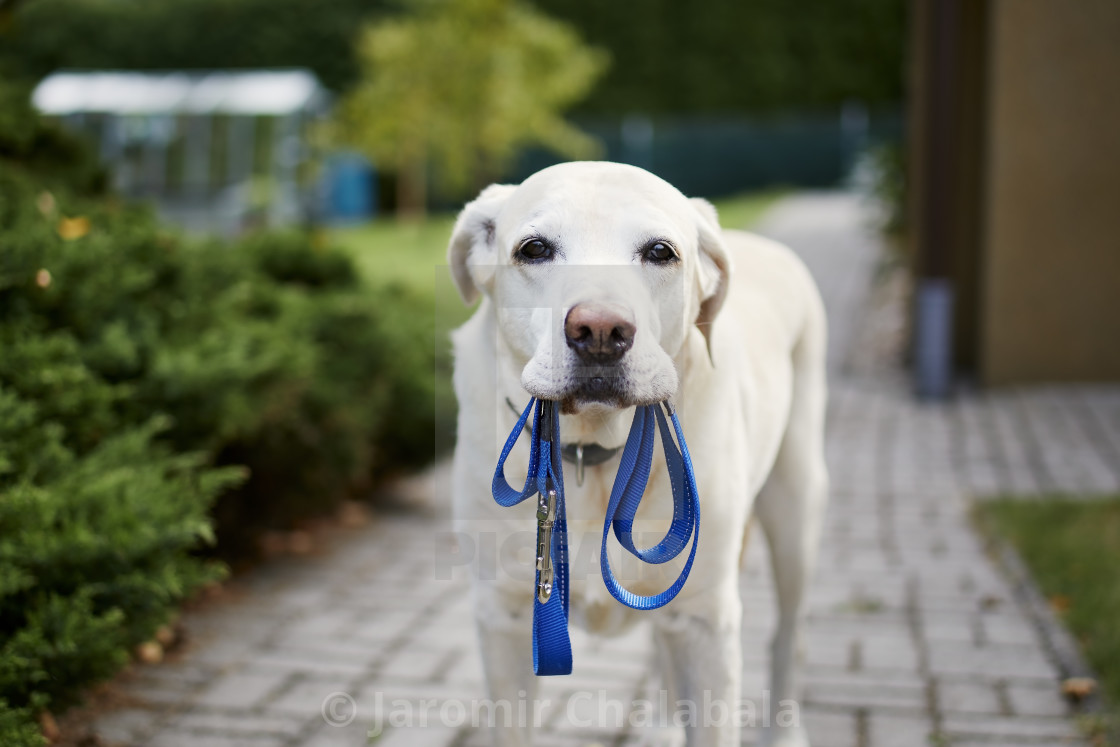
{"points": [[546, 517], [579, 464]]}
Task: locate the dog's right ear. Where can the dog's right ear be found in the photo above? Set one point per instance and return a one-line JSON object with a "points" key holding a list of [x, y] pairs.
{"points": [[471, 253]]}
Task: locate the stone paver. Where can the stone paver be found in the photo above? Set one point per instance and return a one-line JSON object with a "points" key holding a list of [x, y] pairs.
{"points": [[913, 637]]}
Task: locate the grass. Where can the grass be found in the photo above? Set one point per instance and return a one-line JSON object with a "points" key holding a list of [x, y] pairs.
{"points": [[411, 253], [399, 251], [1073, 551], [743, 210]]}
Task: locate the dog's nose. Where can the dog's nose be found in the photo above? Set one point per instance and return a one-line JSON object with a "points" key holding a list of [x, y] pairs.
{"points": [[599, 332]]}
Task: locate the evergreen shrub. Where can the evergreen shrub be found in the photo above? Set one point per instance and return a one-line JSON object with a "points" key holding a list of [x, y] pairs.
{"points": [[158, 395]]}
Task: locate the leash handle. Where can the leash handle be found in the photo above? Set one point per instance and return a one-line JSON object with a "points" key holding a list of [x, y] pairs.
{"points": [[626, 496], [503, 493]]}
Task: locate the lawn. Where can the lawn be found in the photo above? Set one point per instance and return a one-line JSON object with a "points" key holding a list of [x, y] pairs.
{"points": [[1072, 548], [409, 253], [745, 210]]}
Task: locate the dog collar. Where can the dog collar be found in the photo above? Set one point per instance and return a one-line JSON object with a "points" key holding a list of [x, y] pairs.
{"points": [[580, 454], [586, 455]]}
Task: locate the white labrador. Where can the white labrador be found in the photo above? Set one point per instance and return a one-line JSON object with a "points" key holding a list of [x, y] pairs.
{"points": [[602, 284]]}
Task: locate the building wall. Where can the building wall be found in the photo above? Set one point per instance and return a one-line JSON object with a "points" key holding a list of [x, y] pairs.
{"points": [[1050, 306]]}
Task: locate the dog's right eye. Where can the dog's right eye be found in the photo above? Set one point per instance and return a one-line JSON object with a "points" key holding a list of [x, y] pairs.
{"points": [[535, 250]]}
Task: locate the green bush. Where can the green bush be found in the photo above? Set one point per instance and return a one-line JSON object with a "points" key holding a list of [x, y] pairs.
{"points": [[720, 56], [714, 56], [268, 353], [41, 147], [95, 558], [18, 727], [46, 35], [98, 520], [157, 395]]}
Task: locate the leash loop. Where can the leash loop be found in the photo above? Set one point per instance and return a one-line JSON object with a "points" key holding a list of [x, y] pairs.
{"points": [[625, 499]]}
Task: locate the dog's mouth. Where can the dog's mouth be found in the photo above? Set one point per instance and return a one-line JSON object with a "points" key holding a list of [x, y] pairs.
{"points": [[600, 385], [574, 383], [595, 384]]}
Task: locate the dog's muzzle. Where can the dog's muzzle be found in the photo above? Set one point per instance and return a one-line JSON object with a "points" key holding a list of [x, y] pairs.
{"points": [[600, 334]]}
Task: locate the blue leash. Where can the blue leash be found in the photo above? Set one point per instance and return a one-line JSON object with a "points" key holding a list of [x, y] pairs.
{"points": [[552, 649]]}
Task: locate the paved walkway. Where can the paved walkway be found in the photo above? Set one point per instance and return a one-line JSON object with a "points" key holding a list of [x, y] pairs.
{"points": [[914, 637]]}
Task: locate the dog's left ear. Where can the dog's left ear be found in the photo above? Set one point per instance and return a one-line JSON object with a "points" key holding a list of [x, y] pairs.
{"points": [[471, 252], [713, 268]]}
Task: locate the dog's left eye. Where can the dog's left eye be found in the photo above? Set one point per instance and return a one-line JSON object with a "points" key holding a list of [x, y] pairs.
{"points": [[535, 250], [658, 252]]}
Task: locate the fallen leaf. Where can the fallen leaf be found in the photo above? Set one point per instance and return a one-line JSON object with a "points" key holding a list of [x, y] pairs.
{"points": [[1079, 688], [1059, 603], [150, 652], [73, 228]]}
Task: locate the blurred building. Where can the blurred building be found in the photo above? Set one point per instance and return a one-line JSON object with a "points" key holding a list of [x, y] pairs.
{"points": [[1015, 190], [215, 152]]}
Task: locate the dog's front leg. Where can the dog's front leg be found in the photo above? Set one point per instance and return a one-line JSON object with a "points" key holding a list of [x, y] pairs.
{"points": [[703, 657], [505, 636]]}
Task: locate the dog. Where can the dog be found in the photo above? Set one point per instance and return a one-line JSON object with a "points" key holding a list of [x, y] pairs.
{"points": [[605, 288]]}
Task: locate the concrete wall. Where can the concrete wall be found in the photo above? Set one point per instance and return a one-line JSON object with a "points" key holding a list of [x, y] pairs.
{"points": [[1050, 301]]}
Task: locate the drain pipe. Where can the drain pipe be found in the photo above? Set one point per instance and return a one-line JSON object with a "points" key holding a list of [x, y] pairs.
{"points": [[933, 339]]}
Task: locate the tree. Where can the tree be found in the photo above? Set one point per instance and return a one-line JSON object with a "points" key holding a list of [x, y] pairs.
{"points": [[462, 85]]}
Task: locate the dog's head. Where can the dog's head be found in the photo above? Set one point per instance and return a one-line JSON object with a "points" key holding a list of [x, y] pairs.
{"points": [[597, 272]]}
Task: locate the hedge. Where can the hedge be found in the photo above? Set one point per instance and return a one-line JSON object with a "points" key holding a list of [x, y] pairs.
{"points": [[160, 395], [45, 35], [668, 57], [726, 56]]}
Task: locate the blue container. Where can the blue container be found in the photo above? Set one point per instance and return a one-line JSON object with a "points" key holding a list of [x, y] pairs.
{"points": [[350, 189]]}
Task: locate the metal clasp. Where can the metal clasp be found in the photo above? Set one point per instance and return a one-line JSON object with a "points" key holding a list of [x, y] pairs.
{"points": [[546, 517], [579, 464]]}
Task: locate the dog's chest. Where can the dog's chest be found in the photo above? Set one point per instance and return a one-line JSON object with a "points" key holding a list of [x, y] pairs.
{"points": [[592, 606]]}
